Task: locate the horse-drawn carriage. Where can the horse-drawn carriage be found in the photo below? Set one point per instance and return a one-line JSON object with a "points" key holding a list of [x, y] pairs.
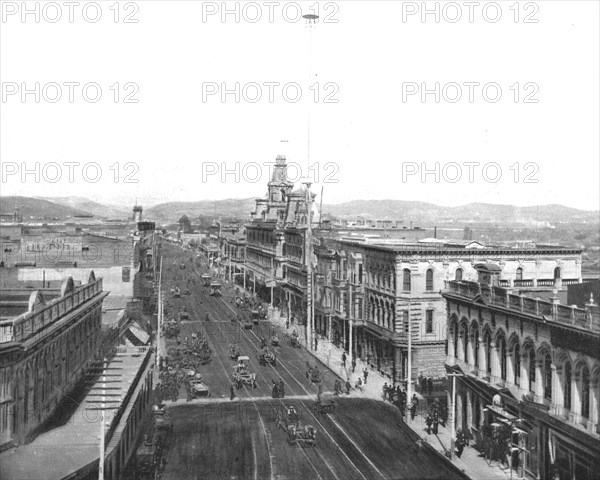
{"points": [[176, 292], [265, 357], [274, 340], [286, 417], [247, 325], [171, 329], [293, 340], [303, 436], [197, 388], [162, 420], [241, 376], [215, 289], [183, 314], [234, 351], [314, 374], [257, 315], [324, 405], [206, 279]]}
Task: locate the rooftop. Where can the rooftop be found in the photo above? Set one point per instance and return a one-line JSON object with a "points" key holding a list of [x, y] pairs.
{"points": [[60, 452]]}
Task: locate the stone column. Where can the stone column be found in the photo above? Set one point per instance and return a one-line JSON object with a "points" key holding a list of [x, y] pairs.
{"points": [[451, 352], [539, 382], [495, 363], [593, 419], [524, 373], [557, 390], [461, 347], [469, 408], [482, 359], [471, 351], [576, 397], [510, 368]]}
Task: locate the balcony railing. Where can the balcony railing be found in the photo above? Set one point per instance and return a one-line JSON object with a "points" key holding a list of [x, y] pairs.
{"points": [[523, 283], [497, 296]]}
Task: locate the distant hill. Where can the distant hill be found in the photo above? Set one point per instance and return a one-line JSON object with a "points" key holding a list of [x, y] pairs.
{"points": [[421, 212], [95, 208], [38, 208], [226, 209]]}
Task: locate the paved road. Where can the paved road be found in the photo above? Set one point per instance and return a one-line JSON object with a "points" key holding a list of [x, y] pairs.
{"points": [[218, 438]]}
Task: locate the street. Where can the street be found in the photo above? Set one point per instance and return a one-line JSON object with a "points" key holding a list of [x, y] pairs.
{"points": [[216, 437]]}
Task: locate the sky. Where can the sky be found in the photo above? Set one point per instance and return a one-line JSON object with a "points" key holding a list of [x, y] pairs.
{"points": [[442, 102]]}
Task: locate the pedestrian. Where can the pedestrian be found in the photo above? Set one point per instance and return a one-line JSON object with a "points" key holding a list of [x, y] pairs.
{"points": [[428, 421], [231, 392], [353, 364], [359, 384], [434, 412], [460, 442], [420, 381], [365, 374], [281, 390], [430, 385], [413, 407], [348, 387], [385, 391], [344, 359]]}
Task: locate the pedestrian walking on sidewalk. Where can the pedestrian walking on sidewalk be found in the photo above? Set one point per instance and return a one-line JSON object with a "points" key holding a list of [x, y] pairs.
{"points": [[344, 359], [231, 392], [348, 387], [434, 413], [385, 391], [353, 364], [430, 385], [413, 407], [365, 374]]}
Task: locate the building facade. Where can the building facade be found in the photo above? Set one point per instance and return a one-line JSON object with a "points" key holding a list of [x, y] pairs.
{"points": [[43, 353], [369, 293], [542, 360]]}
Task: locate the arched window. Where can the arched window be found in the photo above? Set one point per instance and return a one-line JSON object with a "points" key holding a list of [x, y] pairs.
{"points": [[488, 353], [517, 364], [455, 339], [465, 335], [458, 275], [429, 280], [476, 345], [585, 392], [519, 274], [531, 359], [556, 273], [547, 376], [502, 353], [567, 385], [406, 280]]}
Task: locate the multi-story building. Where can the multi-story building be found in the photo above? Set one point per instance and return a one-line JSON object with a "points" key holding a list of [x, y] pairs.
{"points": [[370, 291], [276, 244], [47, 339], [542, 360]]}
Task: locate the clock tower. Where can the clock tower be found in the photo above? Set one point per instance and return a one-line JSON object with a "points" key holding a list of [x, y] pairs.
{"points": [[279, 186]]}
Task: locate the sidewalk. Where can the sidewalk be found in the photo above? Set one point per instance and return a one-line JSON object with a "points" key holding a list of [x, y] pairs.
{"points": [[471, 462]]}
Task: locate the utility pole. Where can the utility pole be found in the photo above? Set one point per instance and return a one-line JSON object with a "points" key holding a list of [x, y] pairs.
{"points": [[160, 314], [409, 362], [453, 412], [102, 424], [308, 258]]}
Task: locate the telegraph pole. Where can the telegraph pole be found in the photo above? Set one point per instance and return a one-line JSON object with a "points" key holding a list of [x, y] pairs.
{"points": [[453, 412], [160, 315], [102, 424], [409, 365]]}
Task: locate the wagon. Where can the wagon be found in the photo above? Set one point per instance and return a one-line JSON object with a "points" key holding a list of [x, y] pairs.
{"points": [[248, 325], [198, 389], [286, 417], [302, 436], [206, 280], [324, 406], [162, 420], [265, 357], [274, 341], [241, 376], [215, 289], [234, 352]]}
